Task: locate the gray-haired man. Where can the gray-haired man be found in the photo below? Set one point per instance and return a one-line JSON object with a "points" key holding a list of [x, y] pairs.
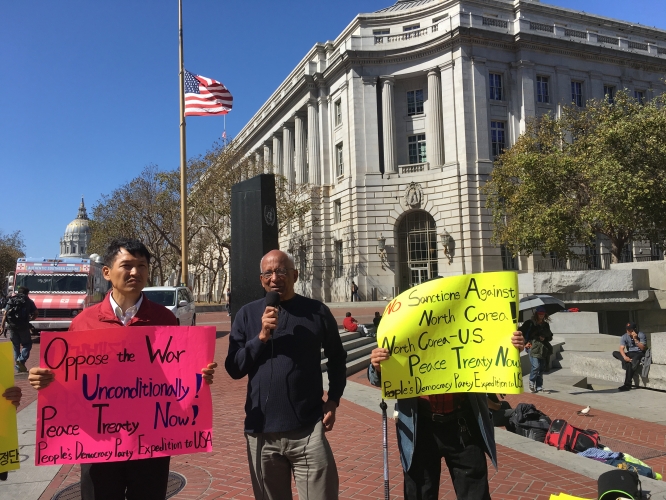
{"points": [[279, 349]]}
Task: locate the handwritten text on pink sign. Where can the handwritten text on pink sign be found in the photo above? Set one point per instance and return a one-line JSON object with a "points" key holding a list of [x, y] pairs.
{"points": [[124, 394]]}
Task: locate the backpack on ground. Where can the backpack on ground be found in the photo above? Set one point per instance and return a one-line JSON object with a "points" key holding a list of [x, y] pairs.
{"points": [[18, 310], [565, 436], [527, 421]]}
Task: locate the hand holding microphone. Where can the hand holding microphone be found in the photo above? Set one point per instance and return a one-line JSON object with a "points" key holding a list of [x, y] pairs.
{"points": [[269, 319]]}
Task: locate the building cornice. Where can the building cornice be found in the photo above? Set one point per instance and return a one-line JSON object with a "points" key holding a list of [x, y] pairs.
{"points": [[546, 10], [326, 61]]}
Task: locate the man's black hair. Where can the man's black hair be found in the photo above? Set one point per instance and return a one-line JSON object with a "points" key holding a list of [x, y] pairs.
{"points": [[22, 289], [133, 246], [348, 314]]}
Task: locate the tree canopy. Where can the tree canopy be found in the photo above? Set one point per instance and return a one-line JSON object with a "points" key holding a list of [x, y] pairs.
{"points": [[11, 248], [596, 170], [148, 208]]}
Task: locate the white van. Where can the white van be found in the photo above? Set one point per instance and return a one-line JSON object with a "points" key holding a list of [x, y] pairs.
{"points": [[177, 299]]}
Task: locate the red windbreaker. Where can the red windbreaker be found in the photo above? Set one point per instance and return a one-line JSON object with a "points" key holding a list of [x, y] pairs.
{"points": [[102, 316]]}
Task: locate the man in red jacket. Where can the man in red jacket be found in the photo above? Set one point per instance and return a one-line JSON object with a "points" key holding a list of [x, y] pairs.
{"points": [[126, 266]]}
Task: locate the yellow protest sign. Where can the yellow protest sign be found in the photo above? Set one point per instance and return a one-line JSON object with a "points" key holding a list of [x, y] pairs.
{"points": [[452, 335], [564, 496], [9, 455]]}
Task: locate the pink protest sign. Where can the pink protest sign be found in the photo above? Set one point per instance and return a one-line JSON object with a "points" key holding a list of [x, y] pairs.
{"points": [[125, 394]]}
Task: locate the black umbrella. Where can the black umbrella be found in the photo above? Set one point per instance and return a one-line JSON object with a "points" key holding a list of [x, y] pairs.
{"points": [[551, 304]]}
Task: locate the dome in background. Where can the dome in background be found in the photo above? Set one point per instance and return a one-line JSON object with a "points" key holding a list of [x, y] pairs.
{"points": [[77, 235]]}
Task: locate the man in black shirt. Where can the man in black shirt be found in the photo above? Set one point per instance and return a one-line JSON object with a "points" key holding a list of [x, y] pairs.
{"points": [[19, 311], [279, 349]]}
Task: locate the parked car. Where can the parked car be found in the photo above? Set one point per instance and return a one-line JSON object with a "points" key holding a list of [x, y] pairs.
{"points": [[177, 299]]}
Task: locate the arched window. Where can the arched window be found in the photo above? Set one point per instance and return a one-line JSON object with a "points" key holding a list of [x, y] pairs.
{"points": [[417, 249]]}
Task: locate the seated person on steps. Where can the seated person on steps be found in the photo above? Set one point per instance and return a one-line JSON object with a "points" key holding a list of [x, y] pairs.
{"points": [[632, 350], [351, 325]]}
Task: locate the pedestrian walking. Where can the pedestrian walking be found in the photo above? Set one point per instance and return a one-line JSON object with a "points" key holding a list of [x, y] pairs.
{"points": [[354, 292], [18, 313], [537, 334]]}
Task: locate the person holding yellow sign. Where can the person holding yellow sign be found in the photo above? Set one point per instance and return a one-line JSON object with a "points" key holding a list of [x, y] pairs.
{"points": [[13, 395], [8, 429], [441, 355], [456, 427]]}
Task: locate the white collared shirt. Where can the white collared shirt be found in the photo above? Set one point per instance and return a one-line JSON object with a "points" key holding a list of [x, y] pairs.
{"points": [[127, 315]]}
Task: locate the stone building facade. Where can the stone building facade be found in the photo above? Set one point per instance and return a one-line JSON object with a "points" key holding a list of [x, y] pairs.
{"points": [[76, 240], [399, 119]]}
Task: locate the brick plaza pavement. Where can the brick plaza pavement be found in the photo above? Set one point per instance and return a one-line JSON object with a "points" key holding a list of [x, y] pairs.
{"points": [[356, 442]]}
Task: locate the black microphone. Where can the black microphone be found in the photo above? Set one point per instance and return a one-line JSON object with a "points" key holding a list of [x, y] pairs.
{"points": [[272, 300]]}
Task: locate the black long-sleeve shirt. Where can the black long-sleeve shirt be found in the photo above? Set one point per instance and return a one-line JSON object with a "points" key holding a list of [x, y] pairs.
{"points": [[285, 388]]}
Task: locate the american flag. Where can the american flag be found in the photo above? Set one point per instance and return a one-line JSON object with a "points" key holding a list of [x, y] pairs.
{"points": [[204, 96]]}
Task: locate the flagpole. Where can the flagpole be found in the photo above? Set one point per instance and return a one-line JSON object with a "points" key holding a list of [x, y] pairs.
{"points": [[183, 155]]}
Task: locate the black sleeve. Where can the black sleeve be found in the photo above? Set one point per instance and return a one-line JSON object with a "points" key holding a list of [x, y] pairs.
{"points": [[337, 357], [547, 334], [525, 329], [243, 353]]}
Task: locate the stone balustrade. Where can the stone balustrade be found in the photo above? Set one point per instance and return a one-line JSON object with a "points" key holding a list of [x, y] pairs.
{"points": [[413, 168], [511, 26]]}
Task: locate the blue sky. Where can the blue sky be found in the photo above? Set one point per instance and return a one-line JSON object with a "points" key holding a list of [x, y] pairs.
{"points": [[89, 89]]}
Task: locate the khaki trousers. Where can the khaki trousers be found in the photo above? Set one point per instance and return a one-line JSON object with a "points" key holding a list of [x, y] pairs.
{"points": [[304, 453]]}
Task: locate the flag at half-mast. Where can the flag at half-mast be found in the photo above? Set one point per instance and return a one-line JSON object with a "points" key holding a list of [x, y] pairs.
{"points": [[205, 96]]}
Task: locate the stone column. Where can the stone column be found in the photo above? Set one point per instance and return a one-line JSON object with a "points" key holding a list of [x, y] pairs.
{"points": [[367, 142], [596, 86], [480, 93], [434, 139], [268, 159], [258, 162], [388, 117], [277, 155], [449, 118], [526, 78], [300, 158], [324, 137], [314, 166], [288, 155], [563, 97], [248, 168]]}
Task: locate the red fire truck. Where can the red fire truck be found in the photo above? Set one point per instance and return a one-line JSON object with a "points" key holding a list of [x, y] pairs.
{"points": [[61, 288]]}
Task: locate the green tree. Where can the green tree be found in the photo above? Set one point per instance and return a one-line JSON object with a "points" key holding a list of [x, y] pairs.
{"points": [[143, 208], [595, 170], [12, 247]]}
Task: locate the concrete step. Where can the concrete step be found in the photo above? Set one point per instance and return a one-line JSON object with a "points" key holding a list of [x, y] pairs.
{"points": [[604, 367], [358, 358], [564, 377], [354, 343], [590, 342], [358, 350]]}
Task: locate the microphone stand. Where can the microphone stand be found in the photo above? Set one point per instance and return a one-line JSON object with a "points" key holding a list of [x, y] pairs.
{"points": [[383, 406]]}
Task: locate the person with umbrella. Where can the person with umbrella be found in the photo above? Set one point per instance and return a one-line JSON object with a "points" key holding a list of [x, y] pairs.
{"points": [[537, 339]]}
